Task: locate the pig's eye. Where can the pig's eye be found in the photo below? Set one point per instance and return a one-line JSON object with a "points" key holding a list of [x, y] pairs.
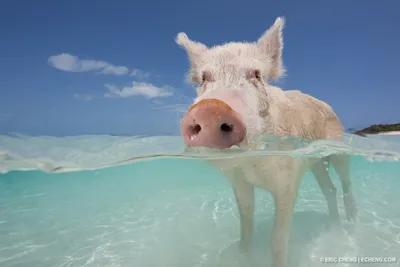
{"points": [[206, 77], [258, 74], [251, 74]]}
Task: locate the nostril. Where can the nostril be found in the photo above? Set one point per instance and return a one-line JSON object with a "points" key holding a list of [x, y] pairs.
{"points": [[195, 129], [226, 128]]}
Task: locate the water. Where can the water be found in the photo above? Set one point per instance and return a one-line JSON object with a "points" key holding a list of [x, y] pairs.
{"points": [[95, 201]]}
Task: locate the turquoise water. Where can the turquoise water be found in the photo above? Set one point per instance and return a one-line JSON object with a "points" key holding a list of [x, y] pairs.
{"points": [[94, 201]]}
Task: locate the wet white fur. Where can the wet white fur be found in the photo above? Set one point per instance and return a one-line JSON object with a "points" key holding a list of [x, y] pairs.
{"points": [[268, 109]]}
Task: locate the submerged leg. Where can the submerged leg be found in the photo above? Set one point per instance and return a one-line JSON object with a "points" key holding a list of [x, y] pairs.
{"points": [[341, 162], [284, 207], [244, 194], [320, 171]]}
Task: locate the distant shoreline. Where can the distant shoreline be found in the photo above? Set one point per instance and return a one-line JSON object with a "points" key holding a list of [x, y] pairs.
{"points": [[381, 129]]}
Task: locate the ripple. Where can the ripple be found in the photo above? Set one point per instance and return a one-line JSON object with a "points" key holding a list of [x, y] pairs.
{"points": [[78, 153]]}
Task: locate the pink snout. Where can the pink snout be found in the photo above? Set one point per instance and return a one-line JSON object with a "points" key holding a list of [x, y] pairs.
{"points": [[212, 123]]}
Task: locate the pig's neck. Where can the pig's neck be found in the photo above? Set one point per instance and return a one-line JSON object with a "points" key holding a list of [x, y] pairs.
{"points": [[277, 103]]}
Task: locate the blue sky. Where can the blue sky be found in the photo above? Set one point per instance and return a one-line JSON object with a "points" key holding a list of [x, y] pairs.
{"points": [[64, 64]]}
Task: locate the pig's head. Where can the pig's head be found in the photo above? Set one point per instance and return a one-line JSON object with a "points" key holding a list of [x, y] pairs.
{"points": [[232, 101]]}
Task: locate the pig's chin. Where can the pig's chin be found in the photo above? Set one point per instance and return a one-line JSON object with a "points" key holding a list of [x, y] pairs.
{"points": [[210, 150]]}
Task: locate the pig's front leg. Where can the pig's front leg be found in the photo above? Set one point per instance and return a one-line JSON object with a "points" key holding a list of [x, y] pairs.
{"points": [[244, 194], [285, 200]]}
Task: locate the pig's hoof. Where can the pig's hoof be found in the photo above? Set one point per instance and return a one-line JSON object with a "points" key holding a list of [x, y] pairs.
{"points": [[350, 206], [334, 222], [334, 217]]}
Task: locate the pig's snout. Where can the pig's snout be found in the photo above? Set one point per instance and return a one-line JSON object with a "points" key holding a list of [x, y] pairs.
{"points": [[212, 123]]}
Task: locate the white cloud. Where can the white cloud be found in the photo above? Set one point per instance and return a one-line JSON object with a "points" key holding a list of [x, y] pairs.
{"points": [[85, 97], [139, 74], [147, 90], [67, 62], [115, 70]]}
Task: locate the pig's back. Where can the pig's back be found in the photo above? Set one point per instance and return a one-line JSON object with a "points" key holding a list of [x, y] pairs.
{"points": [[307, 117]]}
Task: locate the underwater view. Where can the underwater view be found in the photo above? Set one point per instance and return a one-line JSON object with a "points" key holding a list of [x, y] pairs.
{"points": [[146, 201]]}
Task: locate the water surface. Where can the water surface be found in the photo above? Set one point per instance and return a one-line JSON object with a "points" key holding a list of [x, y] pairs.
{"points": [[94, 201]]}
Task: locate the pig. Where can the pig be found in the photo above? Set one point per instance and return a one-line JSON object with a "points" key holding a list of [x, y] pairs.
{"points": [[235, 104]]}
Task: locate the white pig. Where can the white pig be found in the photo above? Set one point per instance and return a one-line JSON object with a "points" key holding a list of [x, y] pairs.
{"points": [[235, 104]]}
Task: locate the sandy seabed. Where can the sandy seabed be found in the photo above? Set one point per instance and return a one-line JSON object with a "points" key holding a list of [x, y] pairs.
{"points": [[390, 133]]}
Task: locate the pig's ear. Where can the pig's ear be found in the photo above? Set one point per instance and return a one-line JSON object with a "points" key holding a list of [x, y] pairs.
{"points": [[194, 51], [271, 44]]}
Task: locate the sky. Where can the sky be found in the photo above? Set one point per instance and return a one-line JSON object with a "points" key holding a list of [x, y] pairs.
{"points": [[98, 67]]}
